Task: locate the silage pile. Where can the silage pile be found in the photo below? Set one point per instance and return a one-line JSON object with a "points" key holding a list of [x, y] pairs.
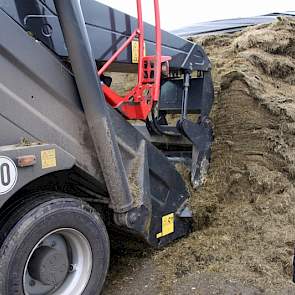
{"points": [[245, 213]]}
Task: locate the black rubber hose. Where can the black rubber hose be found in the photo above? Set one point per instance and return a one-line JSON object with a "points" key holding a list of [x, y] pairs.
{"points": [[94, 104]]}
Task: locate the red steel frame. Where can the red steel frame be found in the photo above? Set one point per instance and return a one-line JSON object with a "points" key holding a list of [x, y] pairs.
{"points": [[138, 103]]}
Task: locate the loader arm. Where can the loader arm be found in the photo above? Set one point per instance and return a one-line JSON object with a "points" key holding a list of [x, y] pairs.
{"points": [[130, 194]]}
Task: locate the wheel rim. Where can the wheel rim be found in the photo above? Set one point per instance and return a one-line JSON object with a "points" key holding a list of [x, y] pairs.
{"points": [[60, 263]]}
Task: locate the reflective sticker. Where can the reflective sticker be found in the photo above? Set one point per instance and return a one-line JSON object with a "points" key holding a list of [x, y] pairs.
{"points": [[8, 175], [135, 51], [48, 159], [167, 225]]}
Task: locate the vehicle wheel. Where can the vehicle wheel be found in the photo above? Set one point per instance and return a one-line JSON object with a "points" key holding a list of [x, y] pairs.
{"points": [[57, 246]]}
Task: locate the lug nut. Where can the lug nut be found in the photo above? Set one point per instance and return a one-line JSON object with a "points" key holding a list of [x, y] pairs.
{"points": [[72, 267]]}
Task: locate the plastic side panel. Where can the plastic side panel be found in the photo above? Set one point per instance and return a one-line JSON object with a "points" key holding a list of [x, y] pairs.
{"points": [[39, 97]]}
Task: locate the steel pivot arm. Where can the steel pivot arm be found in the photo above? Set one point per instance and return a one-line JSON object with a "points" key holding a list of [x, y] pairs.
{"points": [[139, 102]]}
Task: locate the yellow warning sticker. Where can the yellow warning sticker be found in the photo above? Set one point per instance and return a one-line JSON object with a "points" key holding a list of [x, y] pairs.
{"points": [[135, 51], [167, 225], [48, 159]]}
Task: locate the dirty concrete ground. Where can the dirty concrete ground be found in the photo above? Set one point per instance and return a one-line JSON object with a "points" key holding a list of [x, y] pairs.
{"points": [[244, 215]]}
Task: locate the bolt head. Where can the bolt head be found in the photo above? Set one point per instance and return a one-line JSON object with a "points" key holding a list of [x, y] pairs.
{"points": [[132, 217]]}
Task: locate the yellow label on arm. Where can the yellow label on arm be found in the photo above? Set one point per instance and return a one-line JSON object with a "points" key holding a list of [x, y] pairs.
{"points": [[167, 225], [135, 51], [48, 159]]}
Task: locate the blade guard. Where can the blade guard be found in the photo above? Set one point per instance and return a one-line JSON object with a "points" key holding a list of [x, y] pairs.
{"points": [[201, 135]]}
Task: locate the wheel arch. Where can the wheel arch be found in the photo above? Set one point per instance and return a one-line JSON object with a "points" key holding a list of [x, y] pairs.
{"points": [[60, 175]]}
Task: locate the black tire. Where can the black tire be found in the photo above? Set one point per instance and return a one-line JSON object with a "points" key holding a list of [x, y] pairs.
{"points": [[34, 220]]}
